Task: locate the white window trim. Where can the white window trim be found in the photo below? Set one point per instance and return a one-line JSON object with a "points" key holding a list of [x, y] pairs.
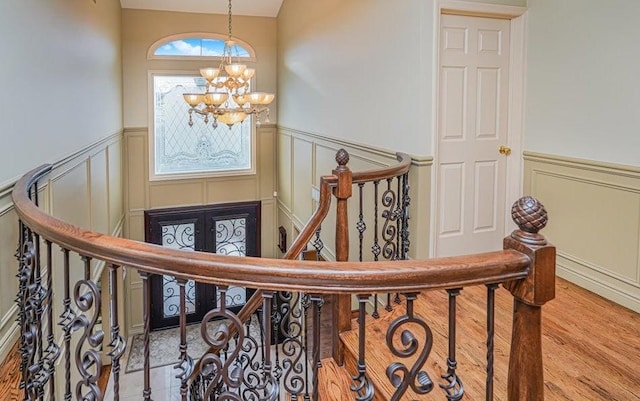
{"points": [[151, 138], [200, 35]]}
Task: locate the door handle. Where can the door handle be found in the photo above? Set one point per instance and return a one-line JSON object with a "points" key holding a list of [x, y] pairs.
{"points": [[504, 150]]}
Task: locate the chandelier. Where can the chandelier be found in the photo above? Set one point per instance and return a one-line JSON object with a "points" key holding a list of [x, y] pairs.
{"points": [[227, 98]]}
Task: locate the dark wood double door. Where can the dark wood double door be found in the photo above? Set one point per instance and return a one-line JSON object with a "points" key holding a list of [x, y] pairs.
{"points": [[232, 229]]}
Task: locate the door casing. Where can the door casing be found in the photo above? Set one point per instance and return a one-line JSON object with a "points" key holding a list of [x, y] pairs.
{"points": [[517, 89]]}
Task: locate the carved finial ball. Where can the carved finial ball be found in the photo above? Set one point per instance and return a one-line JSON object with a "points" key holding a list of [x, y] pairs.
{"points": [[342, 157], [529, 214]]}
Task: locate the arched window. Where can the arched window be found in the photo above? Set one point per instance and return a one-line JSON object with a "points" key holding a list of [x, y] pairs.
{"points": [[176, 149], [198, 45]]}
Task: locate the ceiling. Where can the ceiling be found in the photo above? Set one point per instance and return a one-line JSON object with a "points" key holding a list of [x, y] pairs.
{"points": [[260, 8]]}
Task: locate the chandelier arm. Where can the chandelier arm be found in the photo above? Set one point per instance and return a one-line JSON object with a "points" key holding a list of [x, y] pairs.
{"points": [[234, 79], [202, 112]]}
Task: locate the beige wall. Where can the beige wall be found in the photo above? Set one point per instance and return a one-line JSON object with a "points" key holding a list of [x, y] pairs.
{"points": [[85, 190], [142, 28], [61, 79], [594, 220], [583, 86], [142, 194], [61, 103], [583, 92], [303, 158]]}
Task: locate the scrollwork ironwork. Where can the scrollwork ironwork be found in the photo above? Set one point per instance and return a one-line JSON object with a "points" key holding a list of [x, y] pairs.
{"points": [[404, 230], [231, 237], [389, 227], [117, 344], [400, 376], [223, 374], [293, 352], [88, 298]]}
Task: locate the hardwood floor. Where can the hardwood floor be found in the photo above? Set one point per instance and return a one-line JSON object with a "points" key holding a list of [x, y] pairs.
{"points": [[10, 377], [591, 346]]}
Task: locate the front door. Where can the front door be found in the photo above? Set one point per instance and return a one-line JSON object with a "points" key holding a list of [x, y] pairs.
{"points": [[230, 229], [473, 104]]}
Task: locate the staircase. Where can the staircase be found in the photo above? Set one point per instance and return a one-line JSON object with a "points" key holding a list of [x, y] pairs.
{"points": [[447, 305], [335, 381]]}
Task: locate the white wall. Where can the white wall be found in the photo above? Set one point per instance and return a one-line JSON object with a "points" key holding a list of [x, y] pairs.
{"points": [[341, 64], [359, 70], [583, 86], [60, 78]]}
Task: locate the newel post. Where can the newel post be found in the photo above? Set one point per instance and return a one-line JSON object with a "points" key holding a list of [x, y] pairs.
{"points": [[342, 304], [526, 381]]}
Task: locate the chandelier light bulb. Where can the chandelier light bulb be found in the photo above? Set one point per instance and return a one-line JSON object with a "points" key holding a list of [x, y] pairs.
{"points": [[210, 73], [231, 102], [193, 99]]}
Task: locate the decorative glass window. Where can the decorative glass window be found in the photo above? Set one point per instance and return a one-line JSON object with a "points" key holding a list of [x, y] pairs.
{"points": [[198, 47], [201, 149]]}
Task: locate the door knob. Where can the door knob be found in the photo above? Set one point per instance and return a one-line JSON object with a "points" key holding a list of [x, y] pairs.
{"points": [[504, 150]]}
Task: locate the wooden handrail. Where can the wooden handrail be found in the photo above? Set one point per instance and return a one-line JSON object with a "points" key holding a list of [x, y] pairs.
{"points": [[269, 274], [526, 266], [404, 163]]}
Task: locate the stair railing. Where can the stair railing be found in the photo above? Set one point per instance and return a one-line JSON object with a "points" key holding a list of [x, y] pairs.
{"points": [[243, 365]]}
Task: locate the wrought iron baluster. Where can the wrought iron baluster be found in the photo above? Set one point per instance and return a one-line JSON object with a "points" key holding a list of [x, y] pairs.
{"points": [[491, 293], [361, 225], [226, 375], [362, 386], [375, 249], [146, 305], [375, 314], [27, 303], [389, 229], [88, 299], [318, 245], [276, 319], [453, 388], [406, 202], [185, 363], [53, 350], [400, 376], [118, 344], [256, 382], [271, 389], [398, 216], [67, 317], [388, 307], [305, 302], [293, 353], [39, 298], [317, 301], [20, 297]]}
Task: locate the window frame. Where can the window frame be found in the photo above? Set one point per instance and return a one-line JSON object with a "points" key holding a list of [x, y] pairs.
{"points": [[152, 136], [198, 35]]}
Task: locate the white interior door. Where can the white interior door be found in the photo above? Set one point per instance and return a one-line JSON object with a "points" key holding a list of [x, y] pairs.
{"points": [[472, 126]]}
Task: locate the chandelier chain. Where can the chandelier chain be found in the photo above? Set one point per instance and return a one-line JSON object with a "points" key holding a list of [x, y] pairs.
{"points": [[229, 19], [230, 102]]}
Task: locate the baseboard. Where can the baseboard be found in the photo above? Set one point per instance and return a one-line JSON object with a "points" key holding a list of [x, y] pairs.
{"points": [[9, 340], [604, 289]]}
